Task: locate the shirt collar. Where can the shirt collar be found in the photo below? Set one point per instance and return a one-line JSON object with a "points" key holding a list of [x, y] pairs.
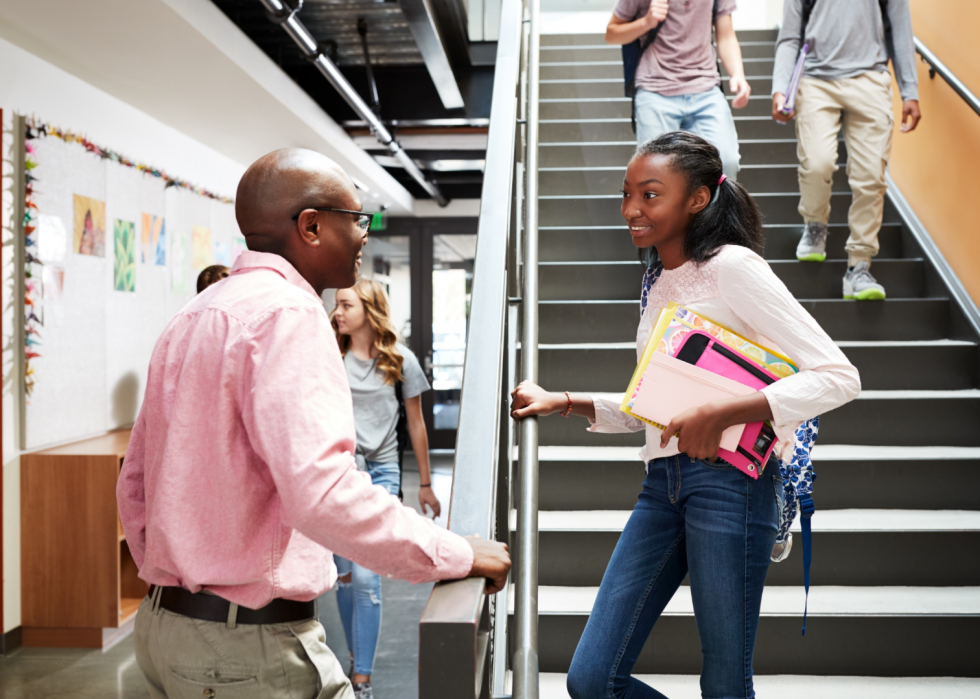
{"points": [[249, 260]]}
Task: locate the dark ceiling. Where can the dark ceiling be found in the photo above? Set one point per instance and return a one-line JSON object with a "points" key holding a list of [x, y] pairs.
{"points": [[406, 91]]}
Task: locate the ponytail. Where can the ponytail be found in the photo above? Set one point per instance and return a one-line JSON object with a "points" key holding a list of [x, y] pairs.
{"points": [[731, 216]]}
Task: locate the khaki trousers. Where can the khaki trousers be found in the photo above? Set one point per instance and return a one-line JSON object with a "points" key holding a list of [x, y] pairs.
{"points": [[864, 105], [184, 658]]}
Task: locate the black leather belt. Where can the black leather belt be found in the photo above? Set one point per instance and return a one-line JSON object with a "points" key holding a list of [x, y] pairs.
{"points": [[211, 608]]}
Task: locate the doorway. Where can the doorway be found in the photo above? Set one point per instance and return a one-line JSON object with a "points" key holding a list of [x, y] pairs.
{"points": [[426, 265]]}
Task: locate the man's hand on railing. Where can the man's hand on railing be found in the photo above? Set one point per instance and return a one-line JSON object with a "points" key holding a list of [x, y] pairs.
{"points": [[491, 560]]}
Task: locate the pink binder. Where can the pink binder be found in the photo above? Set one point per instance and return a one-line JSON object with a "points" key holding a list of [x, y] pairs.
{"points": [[670, 387], [701, 350]]}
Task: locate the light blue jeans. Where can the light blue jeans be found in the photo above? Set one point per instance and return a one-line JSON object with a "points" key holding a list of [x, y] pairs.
{"points": [[705, 114], [359, 600]]}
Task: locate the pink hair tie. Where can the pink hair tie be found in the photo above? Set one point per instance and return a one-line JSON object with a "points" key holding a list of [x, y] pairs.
{"points": [[722, 179]]}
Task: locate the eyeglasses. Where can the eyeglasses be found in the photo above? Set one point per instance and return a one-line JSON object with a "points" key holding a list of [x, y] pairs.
{"points": [[363, 217]]}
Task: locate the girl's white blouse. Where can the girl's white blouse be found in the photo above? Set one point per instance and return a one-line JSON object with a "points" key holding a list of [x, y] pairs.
{"points": [[737, 289]]}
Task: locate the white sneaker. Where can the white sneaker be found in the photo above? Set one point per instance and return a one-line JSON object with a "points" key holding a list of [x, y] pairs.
{"points": [[859, 285], [813, 244]]}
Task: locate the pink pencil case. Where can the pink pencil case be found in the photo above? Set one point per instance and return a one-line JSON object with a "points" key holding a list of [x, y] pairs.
{"points": [[758, 439]]}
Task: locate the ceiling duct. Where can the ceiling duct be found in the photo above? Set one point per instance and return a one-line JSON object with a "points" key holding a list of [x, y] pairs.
{"points": [[422, 24], [285, 16]]}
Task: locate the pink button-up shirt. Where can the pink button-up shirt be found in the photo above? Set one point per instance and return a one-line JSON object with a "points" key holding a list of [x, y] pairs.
{"points": [[240, 477]]}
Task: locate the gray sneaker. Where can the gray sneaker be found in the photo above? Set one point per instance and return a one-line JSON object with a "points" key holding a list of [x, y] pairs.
{"points": [[813, 244], [362, 690], [861, 286]]}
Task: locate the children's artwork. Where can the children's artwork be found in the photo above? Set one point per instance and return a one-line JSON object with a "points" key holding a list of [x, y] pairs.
{"points": [[53, 279], [52, 239], [201, 248], [154, 236], [124, 266], [222, 256], [178, 263], [89, 227]]}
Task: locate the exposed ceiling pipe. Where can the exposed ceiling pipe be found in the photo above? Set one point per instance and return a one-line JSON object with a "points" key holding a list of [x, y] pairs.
{"points": [[282, 14]]}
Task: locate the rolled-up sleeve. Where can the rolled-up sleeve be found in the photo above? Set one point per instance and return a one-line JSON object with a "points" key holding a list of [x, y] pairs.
{"points": [[298, 415], [609, 419], [826, 379]]}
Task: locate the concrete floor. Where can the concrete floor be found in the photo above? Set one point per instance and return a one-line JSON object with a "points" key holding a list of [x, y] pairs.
{"points": [[54, 673]]}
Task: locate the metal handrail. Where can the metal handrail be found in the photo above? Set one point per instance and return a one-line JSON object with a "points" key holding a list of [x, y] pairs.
{"points": [[526, 579], [454, 632], [937, 66]]}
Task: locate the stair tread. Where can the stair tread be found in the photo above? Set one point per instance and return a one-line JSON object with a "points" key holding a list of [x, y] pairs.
{"points": [[801, 686], [850, 520], [821, 452], [779, 600]]}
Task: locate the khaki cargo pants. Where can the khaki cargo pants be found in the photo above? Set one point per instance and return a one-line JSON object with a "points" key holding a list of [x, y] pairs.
{"points": [[184, 658], [864, 105]]}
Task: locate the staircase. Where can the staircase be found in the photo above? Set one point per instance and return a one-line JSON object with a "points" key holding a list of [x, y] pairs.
{"points": [[896, 573]]}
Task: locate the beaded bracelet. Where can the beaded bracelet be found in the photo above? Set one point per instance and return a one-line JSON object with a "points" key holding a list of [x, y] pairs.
{"points": [[568, 409]]}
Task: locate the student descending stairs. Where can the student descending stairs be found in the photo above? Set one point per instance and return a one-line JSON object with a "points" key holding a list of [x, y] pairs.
{"points": [[896, 576]]}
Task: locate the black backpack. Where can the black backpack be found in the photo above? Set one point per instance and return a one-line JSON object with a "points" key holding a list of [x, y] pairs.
{"points": [[401, 433], [633, 51]]}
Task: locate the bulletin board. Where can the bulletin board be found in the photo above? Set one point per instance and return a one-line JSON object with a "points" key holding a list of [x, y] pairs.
{"points": [[114, 253]]}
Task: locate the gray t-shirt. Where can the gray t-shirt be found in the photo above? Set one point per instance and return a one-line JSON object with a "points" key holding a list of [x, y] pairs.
{"points": [[848, 40], [682, 59], [375, 404]]}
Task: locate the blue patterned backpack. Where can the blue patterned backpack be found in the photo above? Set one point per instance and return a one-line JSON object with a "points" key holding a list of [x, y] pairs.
{"points": [[798, 475]]}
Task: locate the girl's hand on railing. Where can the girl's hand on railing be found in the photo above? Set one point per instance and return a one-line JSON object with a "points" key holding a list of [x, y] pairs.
{"points": [[530, 399]]}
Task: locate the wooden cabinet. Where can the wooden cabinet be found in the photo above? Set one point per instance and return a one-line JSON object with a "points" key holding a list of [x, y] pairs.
{"points": [[79, 581]]}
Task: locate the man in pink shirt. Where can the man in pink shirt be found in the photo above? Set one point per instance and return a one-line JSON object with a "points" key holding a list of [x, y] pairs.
{"points": [[240, 482]]}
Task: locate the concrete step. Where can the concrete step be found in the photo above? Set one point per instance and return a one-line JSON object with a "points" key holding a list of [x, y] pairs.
{"points": [[607, 52], [848, 476], [592, 64], [888, 631], [894, 319], [620, 108], [620, 129], [604, 209], [899, 418], [800, 686], [757, 179], [745, 37], [858, 547], [947, 365], [608, 244], [780, 151], [906, 419], [567, 88], [622, 280]]}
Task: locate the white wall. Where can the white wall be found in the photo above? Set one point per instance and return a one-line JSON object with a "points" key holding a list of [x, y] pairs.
{"points": [[31, 86]]}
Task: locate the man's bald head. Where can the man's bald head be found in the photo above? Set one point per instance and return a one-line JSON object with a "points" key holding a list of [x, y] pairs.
{"points": [[281, 183]]}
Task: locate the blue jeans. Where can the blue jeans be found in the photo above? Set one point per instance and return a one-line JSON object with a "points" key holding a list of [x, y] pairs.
{"points": [[706, 114], [692, 517], [359, 601]]}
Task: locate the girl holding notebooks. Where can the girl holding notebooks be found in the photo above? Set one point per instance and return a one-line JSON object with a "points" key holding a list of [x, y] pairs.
{"points": [[701, 237]]}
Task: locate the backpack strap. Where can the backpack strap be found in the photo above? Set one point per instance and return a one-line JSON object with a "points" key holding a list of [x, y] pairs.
{"points": [[401, 433], [806, 512]]}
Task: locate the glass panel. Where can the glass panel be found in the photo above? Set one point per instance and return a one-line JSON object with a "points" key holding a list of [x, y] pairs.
{"points": [[385, 259], [452, 283]]}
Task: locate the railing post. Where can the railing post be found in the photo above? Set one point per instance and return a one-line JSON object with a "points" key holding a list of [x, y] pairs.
{"points": [[526, 588]]}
